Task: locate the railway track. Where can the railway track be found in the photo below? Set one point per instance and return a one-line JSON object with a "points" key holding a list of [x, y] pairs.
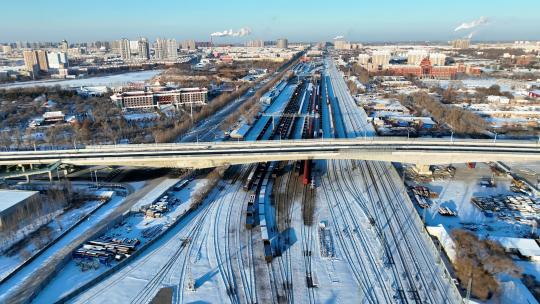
{"points": [[398, 237], [355, 265], [223, 257], [357, 209], [154, 284], [427, 266], [307, 248], [285, 260], [245, 248]]}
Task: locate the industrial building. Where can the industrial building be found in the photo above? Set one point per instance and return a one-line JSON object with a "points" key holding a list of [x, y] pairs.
{"points": [[155, 96]]}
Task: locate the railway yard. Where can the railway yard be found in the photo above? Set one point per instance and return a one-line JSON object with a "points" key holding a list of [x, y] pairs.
{"points": [[279, 232]]}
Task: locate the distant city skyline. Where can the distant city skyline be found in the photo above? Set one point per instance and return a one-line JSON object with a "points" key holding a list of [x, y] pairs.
{"points": [[242, 20]]}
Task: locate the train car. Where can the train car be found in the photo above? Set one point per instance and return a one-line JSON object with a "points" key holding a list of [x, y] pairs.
{"points": [[268, 255], [250, 210], [307, 172], [179, 186], [252, 199], [249, 181], [250, 221]]}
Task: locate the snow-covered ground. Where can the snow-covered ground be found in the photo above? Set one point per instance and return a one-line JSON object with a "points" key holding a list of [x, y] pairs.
{"points": [[212, 251], [108, 80], [165, 263], [56, 250], [57, 226], [471, 83], [456, 194], [132, 227]]}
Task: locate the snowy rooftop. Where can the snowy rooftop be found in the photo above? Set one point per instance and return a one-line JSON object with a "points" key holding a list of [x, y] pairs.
{"points": [[444, 238], [9, 198], [527, 247], [241, 131], [154, 194]]}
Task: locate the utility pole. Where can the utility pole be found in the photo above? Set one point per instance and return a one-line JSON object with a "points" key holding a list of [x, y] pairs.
{"points": [[469, 287]]}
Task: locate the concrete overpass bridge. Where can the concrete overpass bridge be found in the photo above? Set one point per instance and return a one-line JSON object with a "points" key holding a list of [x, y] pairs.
{"points": [[419, 151]]}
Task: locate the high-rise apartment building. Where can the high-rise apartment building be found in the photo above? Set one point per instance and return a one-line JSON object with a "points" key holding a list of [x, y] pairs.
{"points": [[143, 49], [124, 49], [363, 59], [43, 63], [414, 57], [380, 58], [461, 43], [437, 59], [188, 45], [64, 46], [160, 49], [57, 60], [339, 44], [172, 49], [255, 43], [282, 43], [31, 61], [6, 49]]}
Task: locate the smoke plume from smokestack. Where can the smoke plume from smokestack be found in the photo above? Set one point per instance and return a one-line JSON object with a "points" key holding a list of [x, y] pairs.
{"points": [[230, 33], [472, 24]]}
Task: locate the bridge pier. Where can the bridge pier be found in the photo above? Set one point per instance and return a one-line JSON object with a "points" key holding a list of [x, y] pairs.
{"points": [[50, 176]]}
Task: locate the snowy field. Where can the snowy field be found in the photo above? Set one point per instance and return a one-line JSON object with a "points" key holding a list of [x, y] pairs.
{"points": [[57, 250], [456, 194], [108, 80], [132, 228], [57, 226]]}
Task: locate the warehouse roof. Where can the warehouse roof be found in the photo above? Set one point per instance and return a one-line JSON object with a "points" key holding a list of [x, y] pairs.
{"points": [[526, 247], [9, 198]]}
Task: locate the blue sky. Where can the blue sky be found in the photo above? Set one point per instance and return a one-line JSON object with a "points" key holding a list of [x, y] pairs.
{"points": [[360, 20]]}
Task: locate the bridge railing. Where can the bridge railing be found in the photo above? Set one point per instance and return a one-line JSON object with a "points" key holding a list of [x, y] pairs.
{"points": [[397, 141]]}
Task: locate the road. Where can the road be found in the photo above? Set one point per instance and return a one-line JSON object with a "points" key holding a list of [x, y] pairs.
{"points": [[209, 128]]}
